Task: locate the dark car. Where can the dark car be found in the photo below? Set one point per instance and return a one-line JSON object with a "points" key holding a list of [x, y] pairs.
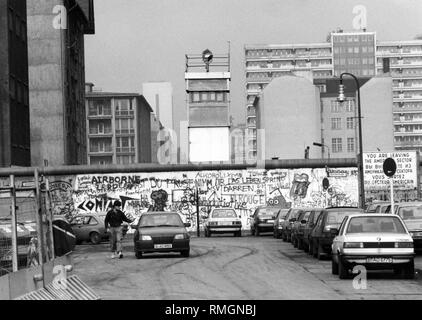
{"points": [[321, 237], [379, 207], [263, 220], [279, 222], [161, 232], [309, 226], [289, 220], [298, 228]]}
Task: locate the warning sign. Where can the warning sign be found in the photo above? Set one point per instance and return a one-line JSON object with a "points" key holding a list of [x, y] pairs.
{"points": [[406, 174]]}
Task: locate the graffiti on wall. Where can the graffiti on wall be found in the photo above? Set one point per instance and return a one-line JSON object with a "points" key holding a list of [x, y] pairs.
{"points": [[242, 190]]}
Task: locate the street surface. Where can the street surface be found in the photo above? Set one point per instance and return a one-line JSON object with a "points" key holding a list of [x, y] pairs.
{"points": [[224, 267]]}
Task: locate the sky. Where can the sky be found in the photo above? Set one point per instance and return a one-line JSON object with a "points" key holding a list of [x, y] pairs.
{"points": [[139, 41]]}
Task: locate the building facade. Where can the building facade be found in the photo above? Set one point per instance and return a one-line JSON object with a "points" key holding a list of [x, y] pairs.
{"points": [[356, 52], [160, 97], [56, 31], [208, 109], [293, 113], [118, 128], [14, 101]]}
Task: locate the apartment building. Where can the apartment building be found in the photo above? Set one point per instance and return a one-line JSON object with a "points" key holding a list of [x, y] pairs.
{"points": [[118, 128], [356, 52]]}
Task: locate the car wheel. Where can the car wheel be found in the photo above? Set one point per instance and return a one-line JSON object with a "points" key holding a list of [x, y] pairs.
{"points": [[342, 270], [300, 244], [305, 246], [295, 244], [138, 254], [277, 234], [78, 241], [239, 234], [334, 266], [310, 248], [257, 232], [283, 236], [314, 250], [409, 270], [320, 252], [95, 237], [185, 253]]}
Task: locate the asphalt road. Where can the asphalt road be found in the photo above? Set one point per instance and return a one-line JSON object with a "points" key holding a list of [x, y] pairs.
{"points": [[229, 268]]}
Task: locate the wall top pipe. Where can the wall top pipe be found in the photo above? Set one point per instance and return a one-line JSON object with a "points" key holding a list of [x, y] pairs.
{"points": [[151, 167]]}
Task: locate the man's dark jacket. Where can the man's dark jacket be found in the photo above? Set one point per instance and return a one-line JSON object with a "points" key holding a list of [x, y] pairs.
{"points": [[115, 219]]}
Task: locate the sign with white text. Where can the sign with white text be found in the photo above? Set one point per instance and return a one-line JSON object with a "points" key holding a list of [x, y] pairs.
{"points": [[406, 174]]}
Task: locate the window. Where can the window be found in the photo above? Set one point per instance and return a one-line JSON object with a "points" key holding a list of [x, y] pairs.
{"points": [[123, 104], [335, 106], [350, 144], [350, 123], [335, 123], [356, 49], [336, 145], [220, 97], [195, 96], [350, 106]]}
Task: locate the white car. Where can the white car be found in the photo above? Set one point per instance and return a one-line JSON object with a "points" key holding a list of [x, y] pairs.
{"points": [[376, 241], [223, 221]]}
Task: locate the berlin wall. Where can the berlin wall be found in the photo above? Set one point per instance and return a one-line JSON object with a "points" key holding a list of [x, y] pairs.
{"points": [[242, 190]]}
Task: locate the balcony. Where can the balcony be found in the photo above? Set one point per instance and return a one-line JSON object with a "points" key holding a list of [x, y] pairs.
{"points": [[125, 150], [100, 116], [98, 133], [125, 114], [407, 144], [404, 98], [398, 87], [398, 52], [410, 121], [120, 132], [408, 133], [107, 150]]}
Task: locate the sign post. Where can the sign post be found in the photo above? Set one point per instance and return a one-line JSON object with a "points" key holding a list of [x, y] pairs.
{"points": [[389, 166]]}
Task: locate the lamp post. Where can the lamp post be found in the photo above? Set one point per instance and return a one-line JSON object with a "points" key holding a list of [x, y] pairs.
{"points": [[322, 145], [341, 98]]}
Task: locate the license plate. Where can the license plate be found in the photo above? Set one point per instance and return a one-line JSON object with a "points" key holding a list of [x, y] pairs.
{"points": [[163, 246], [270, 221], [379, 260], [224, 223]]}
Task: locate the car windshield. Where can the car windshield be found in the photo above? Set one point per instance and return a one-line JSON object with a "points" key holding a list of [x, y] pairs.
{"points": [[295, 214], [336, 217], [375, 225], [372, 208], [160, 220], [268, 211], [224, 213], [283, 214], [411, 213]]}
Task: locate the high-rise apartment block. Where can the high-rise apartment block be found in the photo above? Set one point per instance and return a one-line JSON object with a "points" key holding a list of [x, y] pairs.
{"points": [[118, 127], [14, 102], [356, 52]]}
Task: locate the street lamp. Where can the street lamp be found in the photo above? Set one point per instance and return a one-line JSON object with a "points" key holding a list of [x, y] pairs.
{"points": [[341, 98], [207, 57], [322, 145]]}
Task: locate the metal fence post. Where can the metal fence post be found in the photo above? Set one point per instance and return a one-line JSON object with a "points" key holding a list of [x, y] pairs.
{"points": [[14, 226], [38, 218], [49, 218]]}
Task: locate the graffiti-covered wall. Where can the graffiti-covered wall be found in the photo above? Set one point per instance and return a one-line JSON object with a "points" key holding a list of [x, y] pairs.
{"points": [[243, 190]]}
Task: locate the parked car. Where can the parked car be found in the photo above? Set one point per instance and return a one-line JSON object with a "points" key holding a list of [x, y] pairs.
{"points": [[161, 232], [278, 222], [411, 213], [298, 228], [290, 218], [376, 241], [90, 227], [25, 232], [309, 226], [223, 220], [321, 237], [379, 207], [263, 220]]}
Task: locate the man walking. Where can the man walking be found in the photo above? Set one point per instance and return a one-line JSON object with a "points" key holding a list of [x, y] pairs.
{"points": [[115, 218]]}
